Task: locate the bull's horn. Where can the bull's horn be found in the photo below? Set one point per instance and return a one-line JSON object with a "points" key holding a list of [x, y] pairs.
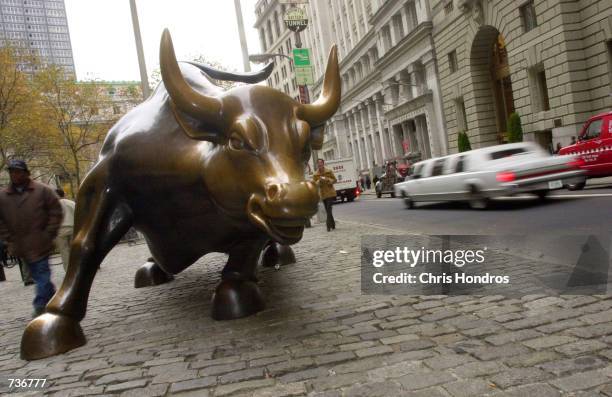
{"points": [[249, 78], [186, 99], [329, 100]]}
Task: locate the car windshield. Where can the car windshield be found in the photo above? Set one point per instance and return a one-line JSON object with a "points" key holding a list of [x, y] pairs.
{"points": [[500, 154]]}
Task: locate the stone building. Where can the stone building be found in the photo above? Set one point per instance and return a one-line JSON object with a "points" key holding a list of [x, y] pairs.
{"points": [[391, 104], [548, 60]]}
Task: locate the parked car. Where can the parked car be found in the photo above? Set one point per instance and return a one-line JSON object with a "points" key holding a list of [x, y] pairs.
{"points": [[481, 174], [594, 147]]}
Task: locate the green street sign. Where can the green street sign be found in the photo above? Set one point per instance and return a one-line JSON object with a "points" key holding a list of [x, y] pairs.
{"points": [[301, 57], [303, 75]]}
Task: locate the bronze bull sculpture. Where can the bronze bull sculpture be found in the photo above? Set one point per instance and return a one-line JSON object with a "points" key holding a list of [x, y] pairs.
{"points": [[196, 169]]}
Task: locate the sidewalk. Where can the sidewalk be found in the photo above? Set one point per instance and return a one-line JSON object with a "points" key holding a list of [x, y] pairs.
{"points": [[318, 336]]}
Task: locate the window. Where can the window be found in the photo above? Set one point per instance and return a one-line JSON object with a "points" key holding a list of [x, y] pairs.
{"points": [[416, 170], [500, 154], [411, 16], [543, 90], [461, 115], [609, 43], [460, 164], [448, 8], [398, 27], [528, 16], [452, 61], [593, 130], [438, 167]]}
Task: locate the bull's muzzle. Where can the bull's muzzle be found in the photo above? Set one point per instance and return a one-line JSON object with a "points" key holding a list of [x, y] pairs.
{"points": [[283, 210]]}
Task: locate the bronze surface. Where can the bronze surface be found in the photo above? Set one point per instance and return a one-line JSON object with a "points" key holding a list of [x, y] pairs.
{"points": [[196, 170]]}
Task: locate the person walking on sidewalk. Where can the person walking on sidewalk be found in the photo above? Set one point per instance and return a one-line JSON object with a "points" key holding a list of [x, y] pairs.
{"points": [[64, 237], [325, 178], [30, 216]]}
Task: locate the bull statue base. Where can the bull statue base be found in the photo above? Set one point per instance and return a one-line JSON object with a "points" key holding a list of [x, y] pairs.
{"points": [[196, 170]]}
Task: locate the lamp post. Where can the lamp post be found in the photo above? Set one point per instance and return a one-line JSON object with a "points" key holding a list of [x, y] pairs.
{"points": [[144, 81]]}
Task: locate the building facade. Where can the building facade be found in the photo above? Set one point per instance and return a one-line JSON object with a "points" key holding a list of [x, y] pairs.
{"points": [[391, 100], [39, 26], [550, 61]]}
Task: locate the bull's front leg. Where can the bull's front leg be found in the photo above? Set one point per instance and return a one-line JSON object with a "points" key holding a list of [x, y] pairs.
{"points": [[238, 295], [58, 330]]}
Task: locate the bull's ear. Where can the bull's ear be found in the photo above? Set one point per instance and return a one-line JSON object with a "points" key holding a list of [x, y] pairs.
{"points": [[193, 128], [316, 137]]}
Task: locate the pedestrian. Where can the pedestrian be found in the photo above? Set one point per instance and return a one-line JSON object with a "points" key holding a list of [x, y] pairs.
{"points": [[573, 140], [325, 178], [368, 182], [64, 237], [558, 147], [30, 216], [375, 179], [363, 184]]}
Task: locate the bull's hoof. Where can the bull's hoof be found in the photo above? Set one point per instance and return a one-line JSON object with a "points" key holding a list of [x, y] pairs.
{"points": [[50, 334], [236, 299], [276, 253], [151, 274]]}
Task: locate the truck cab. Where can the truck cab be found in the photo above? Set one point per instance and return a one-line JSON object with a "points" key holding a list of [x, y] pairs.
{"points": [[594, 147]]}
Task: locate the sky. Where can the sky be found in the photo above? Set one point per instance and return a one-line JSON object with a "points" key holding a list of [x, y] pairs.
{"points": [[103, 38]]}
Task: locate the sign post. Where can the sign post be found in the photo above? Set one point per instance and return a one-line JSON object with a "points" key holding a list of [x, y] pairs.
{"points": [[295, 19]]}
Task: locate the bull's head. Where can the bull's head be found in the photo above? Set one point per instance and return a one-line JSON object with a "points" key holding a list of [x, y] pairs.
{"points": [[262, 139]]}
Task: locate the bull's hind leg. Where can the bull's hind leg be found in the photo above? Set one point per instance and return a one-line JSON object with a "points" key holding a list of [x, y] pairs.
{"points": [[238, 295], [151, 274], [58, 330]]}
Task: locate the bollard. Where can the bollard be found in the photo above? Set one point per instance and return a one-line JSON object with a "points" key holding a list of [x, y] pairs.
{"points": [[2, 275]]}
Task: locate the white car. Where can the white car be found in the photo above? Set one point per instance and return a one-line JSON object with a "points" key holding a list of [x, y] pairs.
{"points": [[481, 174]]}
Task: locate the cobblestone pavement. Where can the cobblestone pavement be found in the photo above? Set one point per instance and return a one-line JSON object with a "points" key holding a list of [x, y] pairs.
{"points": [[318, 336]]}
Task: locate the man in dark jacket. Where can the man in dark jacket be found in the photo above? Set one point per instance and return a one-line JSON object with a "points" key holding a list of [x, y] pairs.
{"points": [[30, 216]]}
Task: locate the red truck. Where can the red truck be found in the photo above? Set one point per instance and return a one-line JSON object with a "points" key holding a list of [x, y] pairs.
{"points": [[594, 148]]}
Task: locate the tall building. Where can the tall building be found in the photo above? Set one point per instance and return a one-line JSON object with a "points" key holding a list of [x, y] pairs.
{"points": [[391, 100], [39, 26], [548, 60]]}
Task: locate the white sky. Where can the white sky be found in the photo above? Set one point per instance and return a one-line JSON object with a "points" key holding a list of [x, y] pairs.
{"points": [[103, 38]]}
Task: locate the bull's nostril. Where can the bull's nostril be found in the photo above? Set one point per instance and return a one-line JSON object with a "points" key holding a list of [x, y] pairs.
{"points": [[272, 192]]}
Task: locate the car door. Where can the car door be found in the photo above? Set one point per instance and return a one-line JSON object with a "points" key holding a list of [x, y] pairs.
{"points": [[589, 147]]}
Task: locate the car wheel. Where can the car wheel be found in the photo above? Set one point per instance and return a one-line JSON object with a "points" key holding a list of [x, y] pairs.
{"points": [[478, 200], [408, 203], [576, 186], [392, 194], [350, 199]]}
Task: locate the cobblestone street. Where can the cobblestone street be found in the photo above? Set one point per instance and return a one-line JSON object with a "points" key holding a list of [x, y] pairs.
{"points": [[318, 336]]}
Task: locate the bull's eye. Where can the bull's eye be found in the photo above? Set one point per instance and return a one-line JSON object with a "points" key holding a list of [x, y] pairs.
{"points": [[237, 143]]}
